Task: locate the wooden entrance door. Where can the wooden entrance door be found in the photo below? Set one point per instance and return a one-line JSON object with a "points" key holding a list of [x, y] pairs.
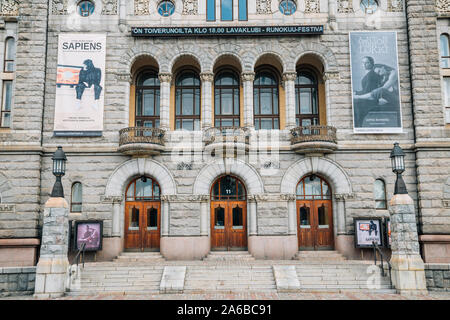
{"points": [[314, 215], [142, 215], [229, 225]]}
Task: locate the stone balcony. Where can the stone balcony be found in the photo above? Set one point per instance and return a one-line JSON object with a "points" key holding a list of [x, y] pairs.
{"points": [[313, 139], [140, 141], [226, 140]]}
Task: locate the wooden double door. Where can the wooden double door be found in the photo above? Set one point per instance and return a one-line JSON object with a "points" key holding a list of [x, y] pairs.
{"points": [[142, 225], [228, 225], [315, 224]]}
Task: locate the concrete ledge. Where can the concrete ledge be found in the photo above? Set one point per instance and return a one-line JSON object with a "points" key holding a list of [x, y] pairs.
{"points": [[18, 252], [185, 248], [273, 247], [435, 248]]}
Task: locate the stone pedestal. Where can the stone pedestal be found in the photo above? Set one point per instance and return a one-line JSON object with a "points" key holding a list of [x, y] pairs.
{"points": [[408, 270], [51, 270]]}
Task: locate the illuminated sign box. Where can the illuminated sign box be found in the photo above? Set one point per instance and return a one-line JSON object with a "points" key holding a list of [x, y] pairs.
{"points": [[226, 31]]}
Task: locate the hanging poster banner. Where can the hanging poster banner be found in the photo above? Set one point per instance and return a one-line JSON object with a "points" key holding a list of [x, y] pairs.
{"points": [[366, 231], [375, 82], [80, 85]]}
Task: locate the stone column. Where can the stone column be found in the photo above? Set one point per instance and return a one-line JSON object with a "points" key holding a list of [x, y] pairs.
{"points": [[204, 215], [332, 9], [330, 77], [340, 213], [289, 87], [165, 210], [52, 268], [292, 214], [253, 230], [164, 109], [116, 229], [206, 109], [247, 82], [408, 275]]}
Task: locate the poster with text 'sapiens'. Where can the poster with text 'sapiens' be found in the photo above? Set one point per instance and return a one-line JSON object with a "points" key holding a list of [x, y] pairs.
{"points": [[80, 85]]}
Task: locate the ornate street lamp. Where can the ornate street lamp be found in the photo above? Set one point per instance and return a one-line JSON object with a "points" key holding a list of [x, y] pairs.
{"points": [[59, 169], [398, 166]]}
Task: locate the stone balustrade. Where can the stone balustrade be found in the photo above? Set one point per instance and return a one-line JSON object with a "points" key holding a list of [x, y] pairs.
{"points": [[313, 139], [141, 141]]}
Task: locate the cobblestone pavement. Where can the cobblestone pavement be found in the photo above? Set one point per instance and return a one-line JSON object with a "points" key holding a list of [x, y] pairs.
{"points": [[254, 296]]}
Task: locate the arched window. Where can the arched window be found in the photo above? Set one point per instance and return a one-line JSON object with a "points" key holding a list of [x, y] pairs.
{"points": [[10, 55], [187, 101], [228, 188], [306, 99], [147, 100], [265, 100], [313, 188], [379, 192], [226, 100], [76, 199], [445, 51], [143, 189]]}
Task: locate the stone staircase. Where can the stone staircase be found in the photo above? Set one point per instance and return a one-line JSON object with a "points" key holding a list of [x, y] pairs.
{"points": [[319, 256], [149, 257], [229, 256]]}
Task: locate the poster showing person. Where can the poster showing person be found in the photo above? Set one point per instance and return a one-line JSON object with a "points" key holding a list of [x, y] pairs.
{"points": [[366, 231], [80, 85], [375, 82], [90, 233]]}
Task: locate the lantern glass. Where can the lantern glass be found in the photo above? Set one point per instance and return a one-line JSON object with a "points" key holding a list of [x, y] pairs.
{"points": [[59, 162]]}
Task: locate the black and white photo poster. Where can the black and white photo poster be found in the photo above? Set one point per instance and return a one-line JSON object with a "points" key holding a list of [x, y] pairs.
{"points": [[375, 82], [80, 85], [366, 231]]}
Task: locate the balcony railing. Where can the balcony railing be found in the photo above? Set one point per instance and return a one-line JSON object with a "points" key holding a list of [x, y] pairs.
{"points": [[226, 135], [314, 139], [141, 141]]}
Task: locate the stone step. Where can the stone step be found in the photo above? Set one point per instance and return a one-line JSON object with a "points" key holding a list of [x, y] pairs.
{"points": [[229, 256], [320, 256]]}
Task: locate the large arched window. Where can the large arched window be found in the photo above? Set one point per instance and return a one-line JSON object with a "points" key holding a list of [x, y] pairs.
{"points": [[445, 51], [313, 188], [265, 100], [187, 101], [228, 188], [10, 55], [76, 199], [379, 192], [226, 99], [306, 99], [147, 100], [143, 189]]}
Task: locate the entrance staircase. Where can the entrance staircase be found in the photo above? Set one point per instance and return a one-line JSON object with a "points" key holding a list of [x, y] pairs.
{"points": [[230, 272]]}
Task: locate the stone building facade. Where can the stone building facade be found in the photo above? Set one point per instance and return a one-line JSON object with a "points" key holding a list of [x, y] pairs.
{"points": [[186, 165]]}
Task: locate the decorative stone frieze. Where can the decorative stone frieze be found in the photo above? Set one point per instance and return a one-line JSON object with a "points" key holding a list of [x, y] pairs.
{"points": [[263, 6], [312, 6], [10, 8], [10, 208], [59, 7], [185, 198], [332, 75], [345, 6], [443, 6], [184, 166], [266, 197], [190, 7], [109, 7], [141, 7], [124, 77], [111, 199], [395, 6]]}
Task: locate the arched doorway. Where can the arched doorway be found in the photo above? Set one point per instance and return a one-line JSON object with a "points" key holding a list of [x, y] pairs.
{"points": [[142, 215], [228, 214], [314, 214]]}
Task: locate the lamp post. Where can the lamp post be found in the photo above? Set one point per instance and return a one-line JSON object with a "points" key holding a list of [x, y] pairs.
{"points": [[398, 166], [59, 169]]}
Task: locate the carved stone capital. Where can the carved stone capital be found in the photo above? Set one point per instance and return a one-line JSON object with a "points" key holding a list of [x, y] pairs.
{"points": [[165, 77], [185, 198], [207, 76], [111, 199], [122, 77], [288, 197], [343, 196], [345, 6], [4, 207], [331, 75], [289, 76], [248, 76]]}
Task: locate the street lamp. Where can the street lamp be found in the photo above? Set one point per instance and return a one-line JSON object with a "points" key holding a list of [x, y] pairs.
{"points": [[59, 169], [398, 166]]}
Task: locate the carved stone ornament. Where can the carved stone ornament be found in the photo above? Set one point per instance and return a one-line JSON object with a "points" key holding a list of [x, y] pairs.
{"points": [[345, 6], [446, 203], [333, 75], [443, 6], [185, 198], [343, 196], [395, 5], [288, 197], [190, 7], [59, 7], [109, 7], [7, 208], [123, 77], [207, 77], [312, 6], [248, 76], [184, 166], [289, 76], [141, 7], [165, 77], [263, 6], [10, 8], [111, 199]]}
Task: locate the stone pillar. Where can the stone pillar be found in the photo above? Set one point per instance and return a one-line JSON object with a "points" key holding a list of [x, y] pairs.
{"points": [[52, 268], [165, 216], [340, 213], [116, 230], [292, 214], [206, 108], [204, 216], [289, 87], [408, 275], [253, 230], [247, 81], [332, 9], [164, 110]]}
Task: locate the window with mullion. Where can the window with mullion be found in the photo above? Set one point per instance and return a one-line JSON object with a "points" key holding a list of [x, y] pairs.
{"points": [[147, 101], [306, 100], [265, 101], [5, 119], [226, 100], [187, 101]]}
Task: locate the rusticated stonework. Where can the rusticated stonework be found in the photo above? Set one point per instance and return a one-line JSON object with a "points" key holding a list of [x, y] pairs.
{"points": [[10, 8], [312, 6], [263, 6], [395, 5], [141, 7], [345, 6], [59, 7], [109, 7], [190, 7], [443, 6]]}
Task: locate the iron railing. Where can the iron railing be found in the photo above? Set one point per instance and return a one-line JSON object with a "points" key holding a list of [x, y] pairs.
{"points": [[141, 135], [76, 260], [313, 134], [226, 134], [376, 249]]}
